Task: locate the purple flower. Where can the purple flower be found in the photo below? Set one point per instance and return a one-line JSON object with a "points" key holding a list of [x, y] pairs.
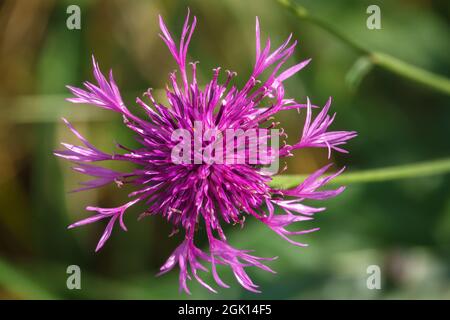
{"points": [[191, 194]]}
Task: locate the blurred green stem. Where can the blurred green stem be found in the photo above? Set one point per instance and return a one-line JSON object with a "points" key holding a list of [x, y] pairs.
{"points": [[415, 170], [385, 61], [411, 72]]}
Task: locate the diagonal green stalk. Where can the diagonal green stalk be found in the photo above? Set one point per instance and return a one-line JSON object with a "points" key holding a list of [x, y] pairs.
{"points": [[411, 72], [16, 282], [385, 61], [422, 169]]}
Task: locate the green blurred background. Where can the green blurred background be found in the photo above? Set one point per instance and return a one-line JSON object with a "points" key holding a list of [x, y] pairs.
{"points": [[403, 226]]}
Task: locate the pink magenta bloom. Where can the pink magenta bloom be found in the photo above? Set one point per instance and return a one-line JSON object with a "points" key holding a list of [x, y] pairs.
{"points": [[206, 195]]}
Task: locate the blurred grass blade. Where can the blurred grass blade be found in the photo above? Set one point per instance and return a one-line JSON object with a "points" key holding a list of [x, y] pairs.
{"points": [[399, 67], [416, 170], [20, 284], [357, 72], [49, 108]]}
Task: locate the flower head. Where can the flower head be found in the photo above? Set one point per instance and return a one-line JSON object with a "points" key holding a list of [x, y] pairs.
{"points": [[196, 191]]}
